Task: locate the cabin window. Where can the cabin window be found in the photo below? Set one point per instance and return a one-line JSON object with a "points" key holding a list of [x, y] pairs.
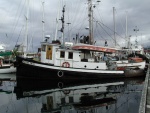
{"points": [[43, 47], [62, 54], [70, 55]]}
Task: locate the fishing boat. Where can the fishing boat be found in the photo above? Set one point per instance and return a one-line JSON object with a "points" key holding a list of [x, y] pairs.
{"points": [[6, 67], [70, 61], [58, 62], [133, 65], [75, 62], [132, 56], [135, 58]]}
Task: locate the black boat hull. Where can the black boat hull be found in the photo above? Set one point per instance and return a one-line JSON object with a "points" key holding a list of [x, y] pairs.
{"points": [[32, 69]]}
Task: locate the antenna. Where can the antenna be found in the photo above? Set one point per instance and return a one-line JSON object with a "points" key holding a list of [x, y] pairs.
{"points": [[68, 31], [136, 30]]}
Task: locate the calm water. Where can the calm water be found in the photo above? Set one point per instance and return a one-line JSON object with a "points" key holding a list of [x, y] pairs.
{"points": [[70, 96]]}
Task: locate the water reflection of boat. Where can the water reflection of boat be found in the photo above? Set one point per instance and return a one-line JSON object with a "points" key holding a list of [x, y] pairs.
{"points": [[24, 84], [61, 96], [6, 82], [72, 97]]}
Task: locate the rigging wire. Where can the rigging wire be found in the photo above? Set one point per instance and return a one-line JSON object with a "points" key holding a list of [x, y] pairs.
{"points": [[76, 14], [17, 19], [105, 25], [120, 22], [76, 17], [107, 32], [98, 12], [32, 18], [6, 41], [96, 28], [19, 35], [111, 30]]}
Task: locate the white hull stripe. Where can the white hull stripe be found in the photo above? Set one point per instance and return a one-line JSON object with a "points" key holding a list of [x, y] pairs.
{"points": [[73, 69]]}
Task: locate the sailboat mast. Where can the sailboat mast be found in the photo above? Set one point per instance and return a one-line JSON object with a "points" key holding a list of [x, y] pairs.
{"points": [[114, 25], [127, 38], [57, 21], [90, 15], [43, 22], [26, 33]]}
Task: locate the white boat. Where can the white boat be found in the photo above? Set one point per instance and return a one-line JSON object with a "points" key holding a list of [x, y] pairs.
{"points": [[63, 63], [6, 65], [130, 58], [7, 69], [132, 63], [127, 56]]}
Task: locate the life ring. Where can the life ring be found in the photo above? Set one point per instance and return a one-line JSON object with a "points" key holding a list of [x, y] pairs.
{"points": [[60, 73], [60, 85], [66, 64]]}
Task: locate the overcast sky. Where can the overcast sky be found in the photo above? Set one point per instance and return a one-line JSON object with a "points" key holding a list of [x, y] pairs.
{"points": [[14, 13]]}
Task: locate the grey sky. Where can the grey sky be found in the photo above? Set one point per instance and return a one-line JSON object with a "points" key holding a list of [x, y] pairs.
{"points": [[13, 21]]}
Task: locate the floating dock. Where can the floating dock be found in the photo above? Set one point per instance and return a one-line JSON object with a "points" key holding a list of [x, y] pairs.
{"points": [[145, 97]]}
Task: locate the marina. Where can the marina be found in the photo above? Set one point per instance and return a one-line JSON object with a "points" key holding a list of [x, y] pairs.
{"points": [[74, 58], [81, 58]]}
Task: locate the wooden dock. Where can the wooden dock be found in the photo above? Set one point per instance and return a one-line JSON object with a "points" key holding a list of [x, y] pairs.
{"points": [[145, 97]]}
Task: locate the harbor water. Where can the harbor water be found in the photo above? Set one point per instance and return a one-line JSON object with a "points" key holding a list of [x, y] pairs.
{"points": [[21, 95]]}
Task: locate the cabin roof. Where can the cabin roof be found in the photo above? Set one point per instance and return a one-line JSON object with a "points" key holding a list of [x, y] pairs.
{"points": [[94, 48]]}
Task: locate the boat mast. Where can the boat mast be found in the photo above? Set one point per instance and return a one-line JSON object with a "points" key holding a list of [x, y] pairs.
{"points": [[25, 46], [127, 38], [90, 15], [63, 21], [57, 21], [43, 22], [114, 25], [136, 30]]}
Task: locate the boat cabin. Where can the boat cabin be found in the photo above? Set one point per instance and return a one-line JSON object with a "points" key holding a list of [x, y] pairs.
{"points": [[72, 57]]}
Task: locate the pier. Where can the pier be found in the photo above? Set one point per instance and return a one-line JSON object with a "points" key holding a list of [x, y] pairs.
{"points": [[145, 98]]}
